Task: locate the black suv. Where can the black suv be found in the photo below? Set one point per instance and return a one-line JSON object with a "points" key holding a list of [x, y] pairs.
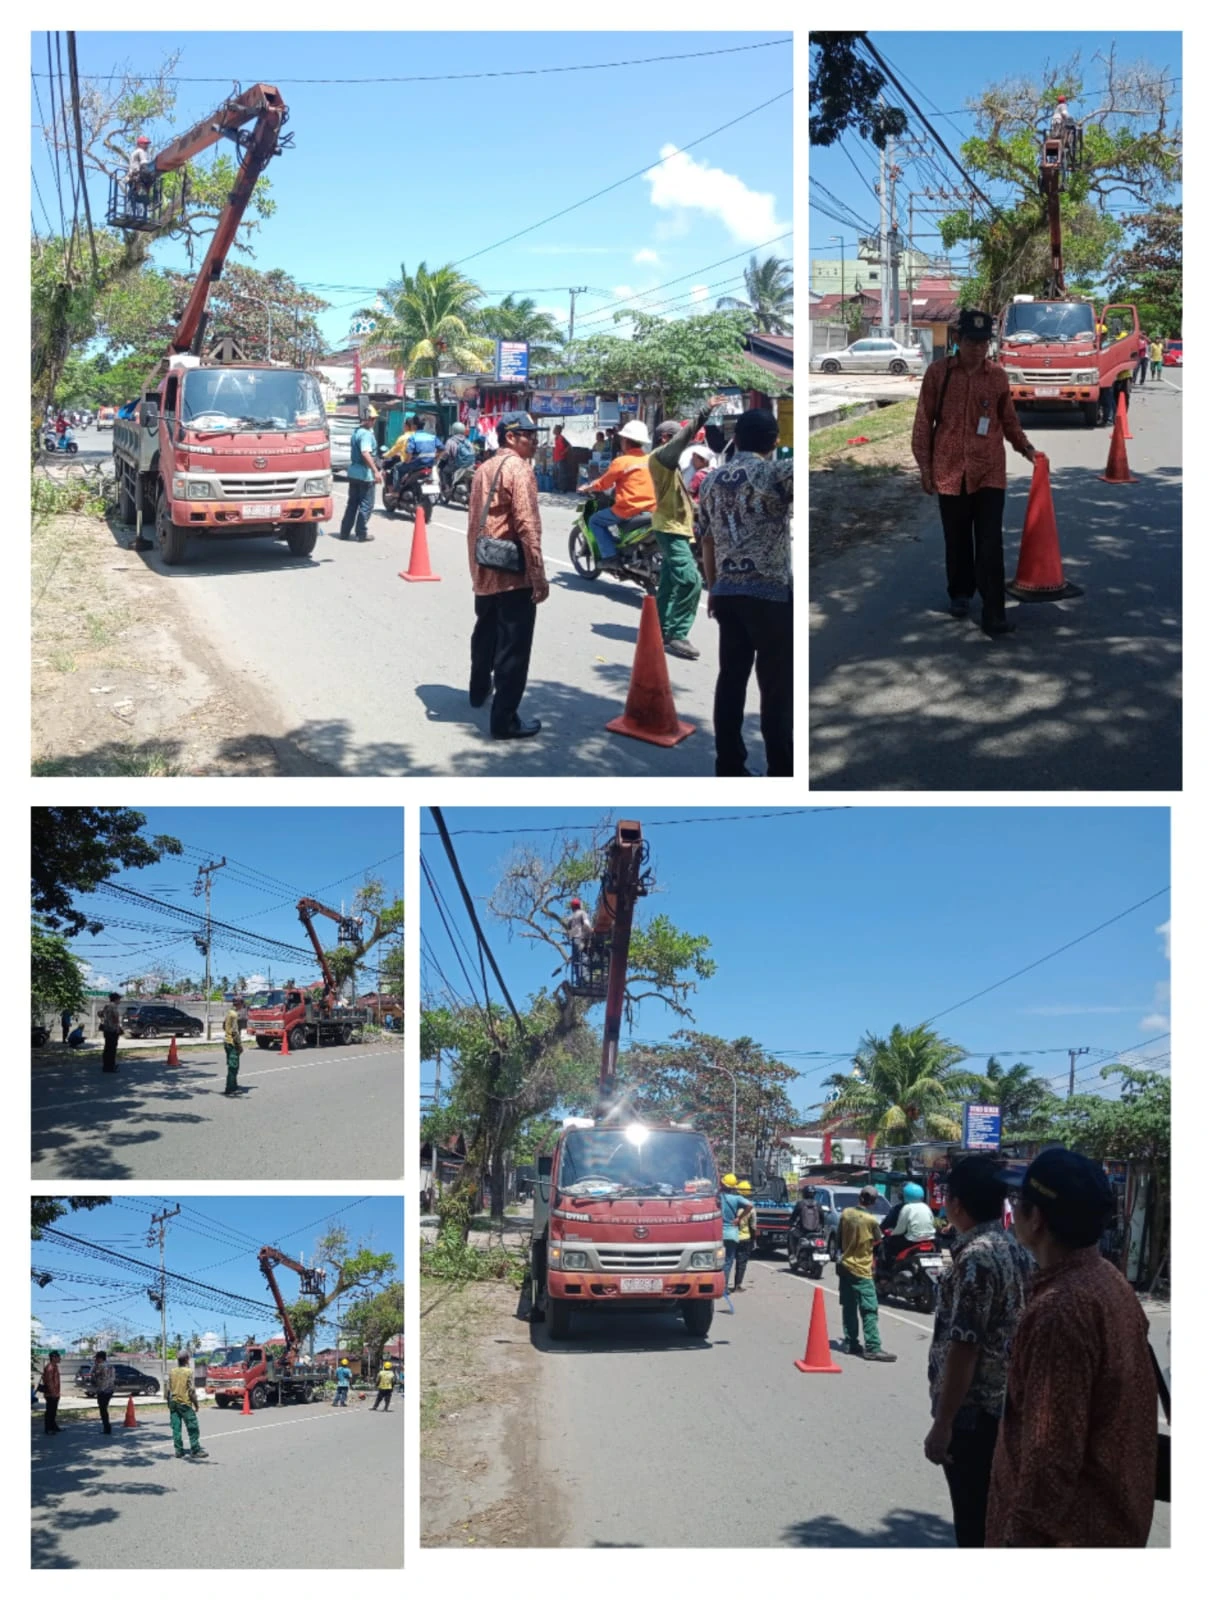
{"points": [[129, 1380], [141, 1022]]}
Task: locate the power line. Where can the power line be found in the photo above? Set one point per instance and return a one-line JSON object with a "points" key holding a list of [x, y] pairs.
{"points": [[469, 904], [619, 183], [602, 313], [656, 822]]}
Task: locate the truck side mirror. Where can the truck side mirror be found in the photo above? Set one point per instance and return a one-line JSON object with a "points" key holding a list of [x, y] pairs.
{"points": [[149, 414]]}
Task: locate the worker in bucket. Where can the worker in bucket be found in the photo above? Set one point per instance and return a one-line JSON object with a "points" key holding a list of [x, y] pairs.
{"points": [[139, 175], [964, 421], [343, 1383], [580, 931]]}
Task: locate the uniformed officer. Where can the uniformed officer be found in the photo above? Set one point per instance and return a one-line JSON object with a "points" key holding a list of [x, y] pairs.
{"points": [[232, 1048]]}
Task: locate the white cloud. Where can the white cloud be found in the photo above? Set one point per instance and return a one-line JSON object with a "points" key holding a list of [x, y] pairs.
{"points": [[1165, 929], [1159, 1020], [700, 292], [623, 291], [646, 257], [682, 184], [94, 979], [1155, 1023]]}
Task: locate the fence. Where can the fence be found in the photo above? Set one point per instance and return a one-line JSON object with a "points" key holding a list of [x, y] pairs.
{"points": [[825, 336]]}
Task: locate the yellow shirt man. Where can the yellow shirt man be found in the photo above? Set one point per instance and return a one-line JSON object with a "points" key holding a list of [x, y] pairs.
{"points": [[859, 1232]]}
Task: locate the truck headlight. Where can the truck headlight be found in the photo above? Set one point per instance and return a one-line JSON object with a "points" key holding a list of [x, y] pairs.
{"points": [[1087, 377], [192, 489], [320, 485], [705, 1260], [575, 1261]]}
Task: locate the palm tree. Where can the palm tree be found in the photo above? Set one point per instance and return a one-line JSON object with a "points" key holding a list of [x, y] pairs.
{"points": [[768, 287], [429, 325], [522, 319], [904, 1088], [1022, 1097]]}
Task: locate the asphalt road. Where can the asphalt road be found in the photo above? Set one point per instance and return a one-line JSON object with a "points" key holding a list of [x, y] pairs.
{"points": [[1086, 695], [723, 1443], [331, 1113], [361, 673], [307, 1486]]}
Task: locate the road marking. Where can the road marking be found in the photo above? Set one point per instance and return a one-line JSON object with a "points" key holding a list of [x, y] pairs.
{"points": [[1178, 387], [923, 1327]]}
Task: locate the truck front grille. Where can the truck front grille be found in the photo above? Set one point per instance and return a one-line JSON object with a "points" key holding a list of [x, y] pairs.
{"points": [[258, 488], [639, 1258], [1043, 375]]}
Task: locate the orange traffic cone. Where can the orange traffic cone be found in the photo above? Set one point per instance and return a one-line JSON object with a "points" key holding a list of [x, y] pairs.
{"points": [[1117, 469], [419, 556], [649, 713], [1039, 575], [174, 1060], [128, 1420], [1122, 411], [246, 1410], [284, 1048], [817, 1345]]}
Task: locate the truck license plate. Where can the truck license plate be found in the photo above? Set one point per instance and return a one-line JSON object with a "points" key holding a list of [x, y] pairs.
{"points": [[641, 1285], [1047, 392], [262, 513]]}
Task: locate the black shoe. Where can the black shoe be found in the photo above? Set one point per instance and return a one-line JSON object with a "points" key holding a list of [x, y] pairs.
{"points": [[997, 629], [879, 1355], [230, 1094], [958, 608], [180, 1454], [476, 700], [194, 1454], [854, 1350], [521, 730]]}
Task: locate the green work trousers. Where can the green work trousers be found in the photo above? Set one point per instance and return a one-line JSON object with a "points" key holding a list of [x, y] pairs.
{"points": [[177, 1411], [858, 1297], [680, 587], [233, 1066]]}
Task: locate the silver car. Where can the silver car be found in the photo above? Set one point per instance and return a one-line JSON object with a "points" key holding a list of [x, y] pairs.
{"points": [[873, 355]]}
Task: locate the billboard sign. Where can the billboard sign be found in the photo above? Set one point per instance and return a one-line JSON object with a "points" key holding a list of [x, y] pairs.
{"points": [[982, 1127], [513, 361]]}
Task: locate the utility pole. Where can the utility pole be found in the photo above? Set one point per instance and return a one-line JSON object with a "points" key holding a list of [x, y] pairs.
{"points": [[573, 293], [159, 1221], [910, 279], [204, 878], [884, 236], [1084, 1051]]}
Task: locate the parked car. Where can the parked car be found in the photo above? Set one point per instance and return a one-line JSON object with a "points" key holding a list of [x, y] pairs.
{"points": [[129, 1380], [873, 355], [142, 1022], [39, 1036], [832, 1201], [105, 416], [1173, 353]]}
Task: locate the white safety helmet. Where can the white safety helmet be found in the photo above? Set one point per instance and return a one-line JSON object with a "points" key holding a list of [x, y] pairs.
{"points": [[634, 432]]}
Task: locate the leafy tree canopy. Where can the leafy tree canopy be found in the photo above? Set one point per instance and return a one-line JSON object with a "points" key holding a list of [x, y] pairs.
{"points": [[844, 93], [349, 1268], [45, 1209], [430, 323], [768, 286], [374, 1320], [671, 363], [904, 1088], [56, 977], [75, 848], [1149, 270], [514, 318]]}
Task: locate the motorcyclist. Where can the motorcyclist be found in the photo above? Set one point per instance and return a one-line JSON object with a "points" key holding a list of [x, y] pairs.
{"points": [[912, 1224], [414, 450], [806, 1220], [629, 476], [457, 452]]}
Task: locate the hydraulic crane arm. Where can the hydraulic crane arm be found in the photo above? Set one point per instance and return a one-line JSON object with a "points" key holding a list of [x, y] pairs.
{"points": [[347, 933], [622, 884], [263, 106], [312, 1282]]}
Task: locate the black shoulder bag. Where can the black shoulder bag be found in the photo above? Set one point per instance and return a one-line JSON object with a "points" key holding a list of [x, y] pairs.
{"points": [[1162, 1467], [502, 555]]}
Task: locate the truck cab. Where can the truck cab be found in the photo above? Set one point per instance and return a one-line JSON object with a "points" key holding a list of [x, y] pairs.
{"points": [[1055, 355], [627, 1217]]}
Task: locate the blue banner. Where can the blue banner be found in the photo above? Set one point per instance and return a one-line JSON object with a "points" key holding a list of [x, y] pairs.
{"points": [[561, 405], [513, 360], [982, 1127]]}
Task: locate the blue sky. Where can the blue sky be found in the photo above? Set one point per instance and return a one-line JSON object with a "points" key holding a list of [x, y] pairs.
{"points": [[276, 856], [385, 172], [827, 925], [214, 1240], [943, 71]]}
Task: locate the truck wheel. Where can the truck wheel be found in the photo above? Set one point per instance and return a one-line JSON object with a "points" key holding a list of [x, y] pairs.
{"points": [[126, 505], [1090, 413], [538, 1274], [298, 1039], [262, 1042], [559, 1319], [347, 1034], [302, 541], [170, 539], [307, 1396], [258, 1397], [697, 1314], [221, 1402]]}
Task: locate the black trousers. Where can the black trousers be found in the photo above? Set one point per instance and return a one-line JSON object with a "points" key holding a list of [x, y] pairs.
{"points": [[386, 1396], [103, 1406], [109, 1052], [501, 653], [972, 1452], [755, 635], [745, 1249], [972, 541], [52, 1406], [1143, 368]]}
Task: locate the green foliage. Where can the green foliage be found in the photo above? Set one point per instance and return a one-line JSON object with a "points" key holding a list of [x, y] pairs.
{"points": [[50, 497], [348, 1269], [669, 363], [75, 848], [1149, 270], [904, 1088], [45, 1209], [453, 1260], [374, 1320], [844, 93], [1025, 1100], [768, 287], [56, 977], [513, 318], [430, 324], [386, 921], [1134, 1127]]}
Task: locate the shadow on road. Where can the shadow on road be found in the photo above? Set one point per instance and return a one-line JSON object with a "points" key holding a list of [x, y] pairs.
{"points": [[81, 1462], [900, 1529], [1085, 695], [84, 1121], [604, 1333]]}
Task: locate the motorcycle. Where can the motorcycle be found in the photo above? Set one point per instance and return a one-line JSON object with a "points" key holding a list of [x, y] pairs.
{"points": [[912, 1276], [807, 1253], [455, 485], [408, 483], [638, 560], [60, 443]]}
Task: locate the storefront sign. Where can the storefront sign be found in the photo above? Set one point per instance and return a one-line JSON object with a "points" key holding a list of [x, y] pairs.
{"points": [[982, 1127], [561, 404], [513, 360]]}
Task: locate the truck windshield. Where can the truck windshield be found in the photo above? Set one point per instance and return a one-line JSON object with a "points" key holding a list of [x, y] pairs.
{"points": [[267, 999], [606, 1161], [240, 399], [228, 1358], [1032, 321]]}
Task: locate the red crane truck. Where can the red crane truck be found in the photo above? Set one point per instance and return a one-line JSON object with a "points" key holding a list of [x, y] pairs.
{"points": [[1051, 348], [312, 1016], [221, 448], [626, 1211], [270, 1377]]}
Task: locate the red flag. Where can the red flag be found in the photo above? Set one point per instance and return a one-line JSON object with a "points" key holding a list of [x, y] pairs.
{"points": [[357, 371], [827, 1150], [400, 382]]}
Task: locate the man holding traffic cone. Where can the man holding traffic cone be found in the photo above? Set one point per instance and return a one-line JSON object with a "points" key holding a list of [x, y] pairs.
{"points": [[965, 420]]}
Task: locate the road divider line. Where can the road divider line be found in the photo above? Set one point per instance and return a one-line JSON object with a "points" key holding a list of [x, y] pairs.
{"points": [[923, 1327], [323, 1416]]}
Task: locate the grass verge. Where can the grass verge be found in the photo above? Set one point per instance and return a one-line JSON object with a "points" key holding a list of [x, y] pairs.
{"points": [[890, 426]]}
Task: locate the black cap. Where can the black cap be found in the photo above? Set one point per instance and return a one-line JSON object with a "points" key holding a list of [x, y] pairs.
{"points": [[518, 422], [1063, 1184], [114, 995], [975, 324]]}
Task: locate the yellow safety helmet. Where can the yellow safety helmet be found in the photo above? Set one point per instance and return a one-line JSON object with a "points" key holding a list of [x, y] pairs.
{"points": [[386, 1365], [746, 1186], [343, 1362], [372, 414], [729, 1181]]}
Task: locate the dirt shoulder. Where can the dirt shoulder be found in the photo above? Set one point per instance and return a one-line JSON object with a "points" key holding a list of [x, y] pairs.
{"points": [[120, 687], [863, 482], [479, 1395]]}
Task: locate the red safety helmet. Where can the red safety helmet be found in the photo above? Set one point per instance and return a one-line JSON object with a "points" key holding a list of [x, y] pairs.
{"points": [[143, 139], [574, 905]]}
